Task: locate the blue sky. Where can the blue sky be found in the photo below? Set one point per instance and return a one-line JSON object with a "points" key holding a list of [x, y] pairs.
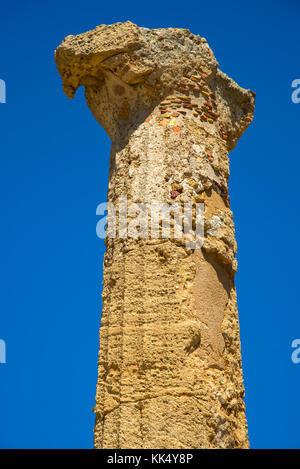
{"points": [[53, 173]]}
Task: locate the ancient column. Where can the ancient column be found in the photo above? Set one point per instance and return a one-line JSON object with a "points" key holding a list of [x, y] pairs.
{"points": [[170, 372]]}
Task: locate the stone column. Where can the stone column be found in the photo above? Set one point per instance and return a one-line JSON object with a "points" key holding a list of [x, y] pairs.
{"points": [[170, 373]]}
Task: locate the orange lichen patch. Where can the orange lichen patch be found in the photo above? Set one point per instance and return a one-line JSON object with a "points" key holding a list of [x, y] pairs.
{"points": [[210, 156], [176, 128], [204, 118], [164, 110], [195, 114], [176, 101], [175, 114], [182, 112], [148, 119], [224, 136], [186, 75], [163, 123]]}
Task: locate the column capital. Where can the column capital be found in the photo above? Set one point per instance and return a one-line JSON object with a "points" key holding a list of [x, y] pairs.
{"points": [[129, 70]]}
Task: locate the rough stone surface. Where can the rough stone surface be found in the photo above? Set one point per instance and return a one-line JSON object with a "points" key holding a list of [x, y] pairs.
{"points": [[170, 373]]}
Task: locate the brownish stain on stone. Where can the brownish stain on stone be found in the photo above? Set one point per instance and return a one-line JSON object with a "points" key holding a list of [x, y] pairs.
{"points": [[124, 110], [211, 291], [119, 90]]}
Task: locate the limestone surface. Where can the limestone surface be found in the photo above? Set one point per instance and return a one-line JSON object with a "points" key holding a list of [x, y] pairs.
{"points": [[170, 372]]}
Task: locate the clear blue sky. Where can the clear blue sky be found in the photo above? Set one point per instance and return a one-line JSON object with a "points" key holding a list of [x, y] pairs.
{"points": [[54, 171]]}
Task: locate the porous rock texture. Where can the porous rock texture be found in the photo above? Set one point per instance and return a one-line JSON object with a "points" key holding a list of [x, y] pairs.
{"points": [[170, 373]]}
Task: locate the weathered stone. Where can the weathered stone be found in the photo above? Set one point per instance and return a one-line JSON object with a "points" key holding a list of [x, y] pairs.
{"points": [[170, 371]]}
